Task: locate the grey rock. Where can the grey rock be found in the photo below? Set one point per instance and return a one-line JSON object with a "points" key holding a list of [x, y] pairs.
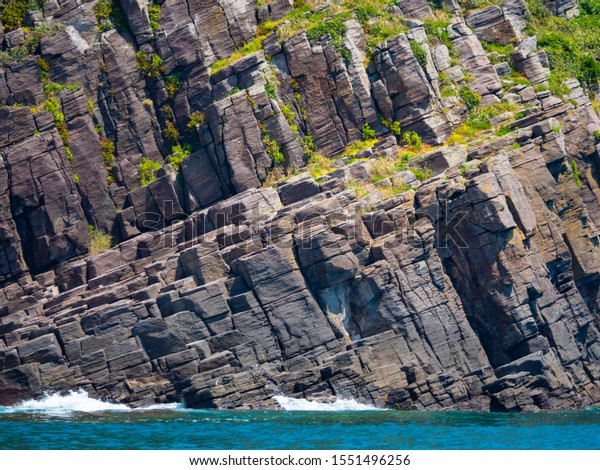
{"points": [[443, 158], [474, 289]]}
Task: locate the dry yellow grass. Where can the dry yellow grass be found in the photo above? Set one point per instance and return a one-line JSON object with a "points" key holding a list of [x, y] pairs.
{"points": [[99, 241], [319, 166], [382, 168]]}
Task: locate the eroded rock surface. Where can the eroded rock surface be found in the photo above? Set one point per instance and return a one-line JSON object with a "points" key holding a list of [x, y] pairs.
{"points": [[475, 287]]}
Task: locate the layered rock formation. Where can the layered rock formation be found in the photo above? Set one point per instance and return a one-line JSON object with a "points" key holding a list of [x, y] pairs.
{"points": [[475, 288]]}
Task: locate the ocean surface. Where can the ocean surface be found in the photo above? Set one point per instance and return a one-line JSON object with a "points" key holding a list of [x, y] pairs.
{"points": [[76, 421]]}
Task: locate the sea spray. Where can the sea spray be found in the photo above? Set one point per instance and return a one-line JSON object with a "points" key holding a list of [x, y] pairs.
{"points": [[340, 404], [76, 401]]}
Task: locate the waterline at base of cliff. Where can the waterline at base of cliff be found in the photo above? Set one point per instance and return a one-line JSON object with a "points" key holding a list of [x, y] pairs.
{"points": [[76, 421]]}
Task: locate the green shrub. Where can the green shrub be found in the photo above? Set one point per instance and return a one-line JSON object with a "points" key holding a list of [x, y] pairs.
{"points": [[109, 14], [448, 91], [382, 28], [147, 171], [196, 119], [288, 113], [367, 132], [364, 13], [589, 72], [53, 106], [557, 85], [53, 88], [591, 7], [151, 66], [479, 118], [597, 136], [178, 154], [266, 27], [107, 148], [469, 97], [422, 174], [504, 130], [437, 29], [68, 153], [102, 10], [154, 16], [394, 189], [519, 79], [271, 90], [173, 83], [309, 144], [500, 49], [419, 53], [12, 13], [377, 22], [334, 28], [403, 160], [171, 132], [99, 241], [572, 45], [394, 127], [359, 189], [273, 150], [412, 139], [251, 100], [167, 111], [16, 54]]}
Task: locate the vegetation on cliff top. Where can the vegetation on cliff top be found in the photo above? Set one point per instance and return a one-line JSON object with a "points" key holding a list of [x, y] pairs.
{"points": [[325, 22], [572, 45], [573, 48]]}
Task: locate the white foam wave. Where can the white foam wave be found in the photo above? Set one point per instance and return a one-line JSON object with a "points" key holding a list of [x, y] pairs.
{"points": [[79, 401], [162, 406], [340, 404]]}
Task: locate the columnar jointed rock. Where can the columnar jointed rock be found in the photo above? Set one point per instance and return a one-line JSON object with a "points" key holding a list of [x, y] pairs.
{"points": [[44, 203], [476, 289], [472, 292], [499, 24], [564, 8], [531, 62], [403, 93], [475, 60]]}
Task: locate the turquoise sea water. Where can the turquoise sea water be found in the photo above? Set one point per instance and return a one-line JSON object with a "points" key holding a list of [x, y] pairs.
{"points": [[30, 427]]}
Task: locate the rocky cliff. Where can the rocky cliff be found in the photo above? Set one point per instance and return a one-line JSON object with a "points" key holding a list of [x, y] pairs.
{"points": [[221, 201]]}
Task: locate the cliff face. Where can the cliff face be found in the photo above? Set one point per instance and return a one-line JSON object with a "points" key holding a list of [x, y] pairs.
{"points": [[473, 286]]}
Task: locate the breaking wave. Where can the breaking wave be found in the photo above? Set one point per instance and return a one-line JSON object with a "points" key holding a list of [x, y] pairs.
{"points": [[79, 401], [300, 404]]}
